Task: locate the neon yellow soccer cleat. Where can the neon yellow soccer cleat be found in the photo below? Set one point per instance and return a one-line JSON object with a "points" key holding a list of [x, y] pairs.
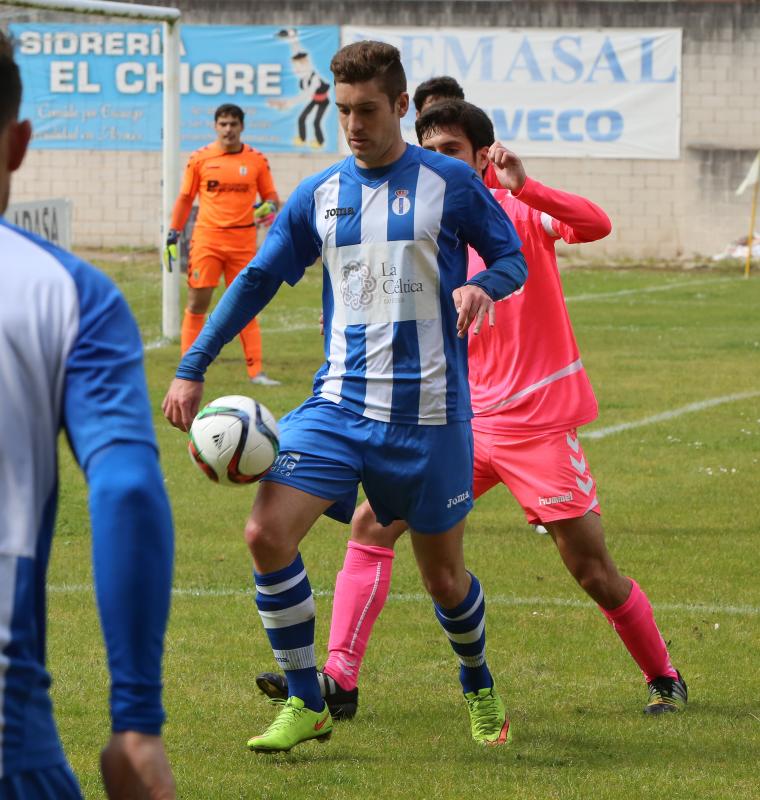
{"points": [[293, 724], [488, 718]]}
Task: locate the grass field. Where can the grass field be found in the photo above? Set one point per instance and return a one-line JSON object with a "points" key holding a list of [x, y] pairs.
{"points": [[680, 498]]}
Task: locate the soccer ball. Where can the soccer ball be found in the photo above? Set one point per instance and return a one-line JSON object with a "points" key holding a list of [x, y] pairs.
{"points": [[234, 440]]}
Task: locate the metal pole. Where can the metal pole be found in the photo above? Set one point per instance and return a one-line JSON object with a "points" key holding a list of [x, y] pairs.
{"points": [[751, 236], [171, 172]]}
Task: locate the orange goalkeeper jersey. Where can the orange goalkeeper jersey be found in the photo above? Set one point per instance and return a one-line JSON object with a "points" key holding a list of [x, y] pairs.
{"points": [[229, 184]]}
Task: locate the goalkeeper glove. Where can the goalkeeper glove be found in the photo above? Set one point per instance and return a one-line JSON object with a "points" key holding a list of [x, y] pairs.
{"points": [[264, 213], [171, 253]]}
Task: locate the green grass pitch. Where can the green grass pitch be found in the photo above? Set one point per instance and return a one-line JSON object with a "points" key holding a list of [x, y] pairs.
{"points": [[680, 501]]}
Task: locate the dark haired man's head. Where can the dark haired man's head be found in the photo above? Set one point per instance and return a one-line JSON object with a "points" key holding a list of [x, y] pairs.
{"points": [[434, 90], [229, 110], [457, 129], [14, 135], [366, 61], [10, 82], [228, 124], [370, 94]]}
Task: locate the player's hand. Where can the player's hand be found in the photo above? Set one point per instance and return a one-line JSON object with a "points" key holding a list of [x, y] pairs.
{"points": [[182, 402], [472, 305], [509, 168], [321, 323], [171, 253], [134, 767], [264, 213]]}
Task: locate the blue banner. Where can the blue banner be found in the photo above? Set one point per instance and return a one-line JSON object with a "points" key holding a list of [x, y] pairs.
{"points": [[100, 87]]}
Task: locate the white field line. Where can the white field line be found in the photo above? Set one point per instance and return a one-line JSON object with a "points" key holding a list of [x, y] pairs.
{"points": [[314, 326], [419, 597], [646, 290], [701, 405]]}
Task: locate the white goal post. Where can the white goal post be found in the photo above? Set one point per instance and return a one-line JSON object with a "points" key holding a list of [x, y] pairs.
{"points": [[170, 17]]}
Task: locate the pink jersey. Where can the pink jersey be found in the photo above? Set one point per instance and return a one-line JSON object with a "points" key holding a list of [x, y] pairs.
{"points": [[526, 374]]}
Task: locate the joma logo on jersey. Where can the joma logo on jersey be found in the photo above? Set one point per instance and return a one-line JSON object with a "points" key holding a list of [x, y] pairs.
{"points": [[460, 498], [560, 498], [339, 212]]}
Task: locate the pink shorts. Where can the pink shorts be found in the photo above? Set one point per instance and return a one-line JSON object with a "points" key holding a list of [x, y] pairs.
{"points": [[547, 474]]}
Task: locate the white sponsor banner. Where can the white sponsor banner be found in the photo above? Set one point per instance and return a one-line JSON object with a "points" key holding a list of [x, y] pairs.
{"points": [[381, 282], [606, 93], [50, 219]]}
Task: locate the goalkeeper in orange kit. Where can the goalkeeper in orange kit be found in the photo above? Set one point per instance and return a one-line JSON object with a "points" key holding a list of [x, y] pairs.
{"points": [[236, 197]]}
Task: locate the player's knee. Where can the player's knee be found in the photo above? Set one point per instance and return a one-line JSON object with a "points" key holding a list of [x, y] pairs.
{"points": [[198, 300], [261, 539], [366, 530], [444, 588], [594, 577]]}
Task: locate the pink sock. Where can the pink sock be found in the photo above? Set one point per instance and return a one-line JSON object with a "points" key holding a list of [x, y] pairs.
{"points": [[361, 589], [634, 624]]}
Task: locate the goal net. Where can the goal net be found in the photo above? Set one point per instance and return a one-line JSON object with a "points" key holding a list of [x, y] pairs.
{"points": [[101, 88]]}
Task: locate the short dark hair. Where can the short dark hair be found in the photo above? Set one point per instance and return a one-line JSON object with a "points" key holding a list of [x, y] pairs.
{"points": [[363, 61], [471, 120], [229, 110], [444, 86], [10, 82]]}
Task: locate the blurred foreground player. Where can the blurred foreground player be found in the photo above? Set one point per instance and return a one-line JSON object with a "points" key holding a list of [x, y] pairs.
{"points": [[530, 392], [71, 358]]}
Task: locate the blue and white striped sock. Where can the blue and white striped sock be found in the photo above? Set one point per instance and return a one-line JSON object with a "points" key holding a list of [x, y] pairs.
{"points": [[286, 607], [465, 626]]}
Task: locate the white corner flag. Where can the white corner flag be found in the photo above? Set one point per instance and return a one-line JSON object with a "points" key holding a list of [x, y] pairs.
{"points": [[752, 176]]}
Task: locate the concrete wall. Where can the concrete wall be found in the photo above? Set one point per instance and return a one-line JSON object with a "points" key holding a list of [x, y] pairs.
{"points": [[659, 208]]}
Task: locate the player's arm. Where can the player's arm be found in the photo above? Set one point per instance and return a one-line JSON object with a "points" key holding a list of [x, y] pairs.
{"points": [[182, 207], [107, 418], [289, 248], [490, 231], [191, 181], [569, 216]]}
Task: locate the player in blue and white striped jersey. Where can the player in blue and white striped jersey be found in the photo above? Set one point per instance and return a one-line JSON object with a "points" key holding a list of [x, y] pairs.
{"points": [[391, 404], [71, 359]]}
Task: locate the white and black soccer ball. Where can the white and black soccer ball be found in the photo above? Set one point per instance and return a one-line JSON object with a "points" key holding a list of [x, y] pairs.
{"points": [[234, 440]]}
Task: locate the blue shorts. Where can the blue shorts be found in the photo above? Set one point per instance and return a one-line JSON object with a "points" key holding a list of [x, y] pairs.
{"points": [[52, 783], [420, 473]]}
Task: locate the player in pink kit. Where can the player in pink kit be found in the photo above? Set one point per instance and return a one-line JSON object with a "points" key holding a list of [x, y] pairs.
{"points": [[530, 393]]}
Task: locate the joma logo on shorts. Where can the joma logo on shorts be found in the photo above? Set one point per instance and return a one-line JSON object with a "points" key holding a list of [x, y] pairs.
{"points": [[560, 498], [339, 212], [460, 498]]}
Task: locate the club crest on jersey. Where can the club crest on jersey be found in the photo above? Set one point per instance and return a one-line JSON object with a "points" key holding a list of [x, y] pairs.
{"points": [[402, 204], [243, 170], [357, 285]]}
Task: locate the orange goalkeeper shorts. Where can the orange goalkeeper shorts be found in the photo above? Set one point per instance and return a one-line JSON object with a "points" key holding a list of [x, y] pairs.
{"points": [[215, 252]]}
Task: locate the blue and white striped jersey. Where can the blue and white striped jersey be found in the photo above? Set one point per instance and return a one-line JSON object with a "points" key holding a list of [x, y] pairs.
{"points": [[71, 358], [393, 243]]}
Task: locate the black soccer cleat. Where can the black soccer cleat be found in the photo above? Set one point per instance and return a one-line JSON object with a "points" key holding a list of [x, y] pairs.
{"points": [[666, 694], [342, 703]]}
